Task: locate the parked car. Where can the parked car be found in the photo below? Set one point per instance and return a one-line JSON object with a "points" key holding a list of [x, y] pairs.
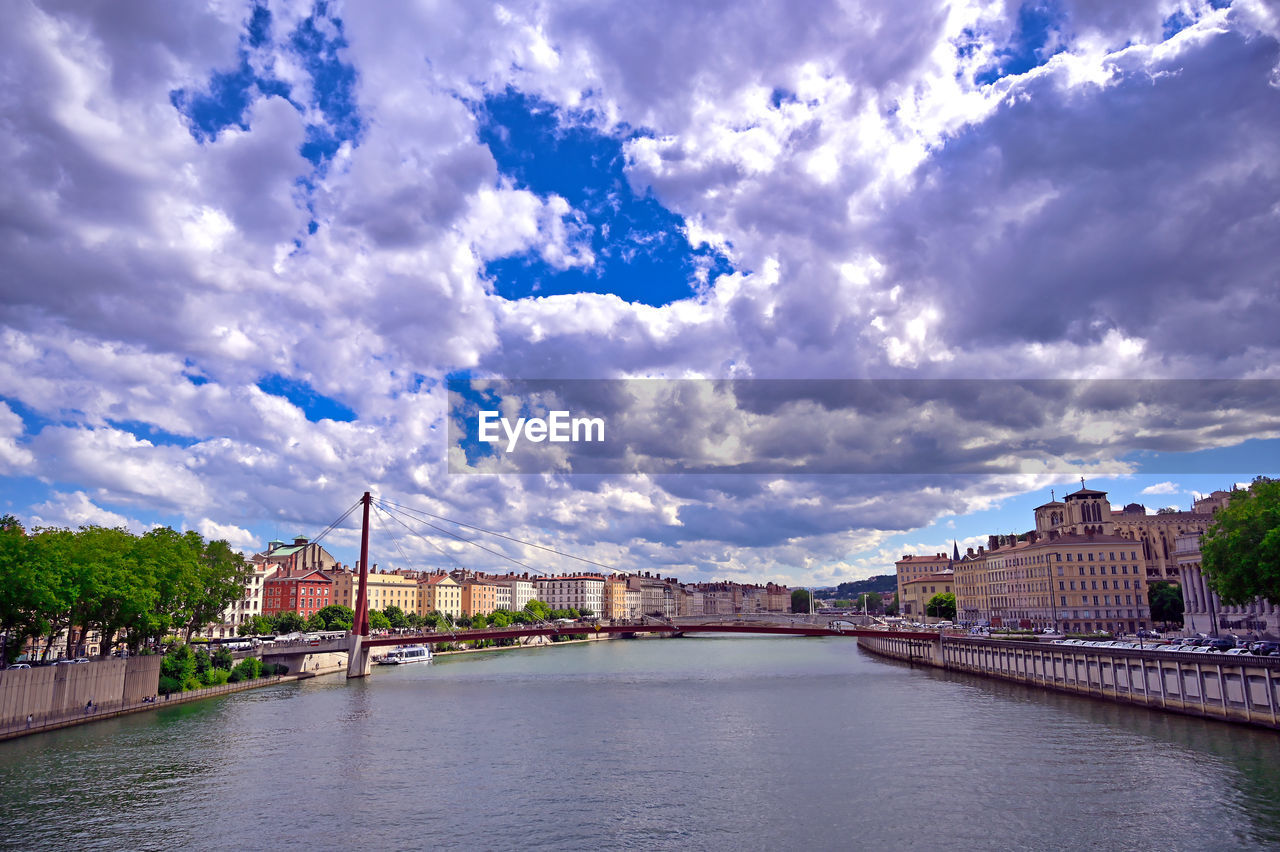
{"points": [[1236, 651], [1266, 649], [20, 666], [1221, 644]]}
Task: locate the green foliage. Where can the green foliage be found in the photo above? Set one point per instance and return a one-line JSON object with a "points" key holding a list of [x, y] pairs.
{"points": [[168, 684], [842, 604], [872, 601], [287, 622], [800, 600], [378, 621], [1166, 601], [216, 677], [337, 617], [223, 659], [478, 620], [113, 582], [179, 665], [891, 607], [247, 669], [1241, 550], [395, 616], [941, 606], [256, 625], [537, 610], [882, 583], [586, 612]]}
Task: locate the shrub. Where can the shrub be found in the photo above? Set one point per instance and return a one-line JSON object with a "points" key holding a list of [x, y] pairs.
{"points": [[247, 669], [168, 684]]}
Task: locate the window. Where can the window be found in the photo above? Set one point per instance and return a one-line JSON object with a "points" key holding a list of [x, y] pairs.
{"points": [[1090, 557]]}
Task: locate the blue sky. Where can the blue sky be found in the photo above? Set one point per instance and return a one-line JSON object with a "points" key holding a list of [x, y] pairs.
{"points": [[256, 238]]}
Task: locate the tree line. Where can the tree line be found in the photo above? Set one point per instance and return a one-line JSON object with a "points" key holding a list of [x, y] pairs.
{"points": [[338, 617], [139, 588]]}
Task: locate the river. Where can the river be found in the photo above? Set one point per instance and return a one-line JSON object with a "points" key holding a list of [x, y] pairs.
{"points": [[693, 743]]}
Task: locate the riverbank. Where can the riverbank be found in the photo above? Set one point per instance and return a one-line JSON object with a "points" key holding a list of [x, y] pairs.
{"points": [[1238, 689], [97, 713]]}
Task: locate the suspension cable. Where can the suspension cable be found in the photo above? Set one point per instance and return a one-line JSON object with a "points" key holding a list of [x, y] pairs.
{"points": [[390, 508], [500, 535]]}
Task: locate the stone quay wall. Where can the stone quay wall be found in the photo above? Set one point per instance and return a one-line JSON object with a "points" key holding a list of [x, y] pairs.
{"points": [[1243, 689]]}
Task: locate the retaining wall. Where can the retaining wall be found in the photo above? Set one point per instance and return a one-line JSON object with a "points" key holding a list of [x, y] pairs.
{"points": [[1241, 688]]}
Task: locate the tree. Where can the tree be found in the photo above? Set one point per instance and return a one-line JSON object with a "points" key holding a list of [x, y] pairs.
{"points": [[336, 617], [378, 621], [891, 608], [1166, 601], [843, 604], [1240, 553], [800, 600], [395, 615], [871, 601], [537, 610], [287, 622], [315, 623], [257, 625], [941, 606], [586, 612]]}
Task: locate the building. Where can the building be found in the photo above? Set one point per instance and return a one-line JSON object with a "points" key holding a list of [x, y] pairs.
{"points": [[918, 591], [1074, 583], [439, 593], [911, 567], [241, 611], [521, 590], [614, 599], [301, 554], [479, 597], [1203, 611], [580, 591], [305, 591]]}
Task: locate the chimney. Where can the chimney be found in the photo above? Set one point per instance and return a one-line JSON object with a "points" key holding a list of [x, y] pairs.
{"points": [[993, 542]]}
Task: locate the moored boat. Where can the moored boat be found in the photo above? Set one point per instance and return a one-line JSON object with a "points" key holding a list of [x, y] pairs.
{"points": [[403, 654]]}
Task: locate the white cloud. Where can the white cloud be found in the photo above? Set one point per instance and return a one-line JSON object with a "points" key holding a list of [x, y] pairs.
{"points": [[1110, 213], [1162, 488]]}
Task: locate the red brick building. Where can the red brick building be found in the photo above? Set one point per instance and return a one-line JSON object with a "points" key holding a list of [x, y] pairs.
{"points": [[304, 591]]}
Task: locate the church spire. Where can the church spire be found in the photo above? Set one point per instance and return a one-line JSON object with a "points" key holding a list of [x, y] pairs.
{"points": [[955, 550]]}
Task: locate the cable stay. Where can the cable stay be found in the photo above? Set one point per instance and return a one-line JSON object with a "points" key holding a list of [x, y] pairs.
{"points": [[409, 510], [336, 523], [391, 508]]}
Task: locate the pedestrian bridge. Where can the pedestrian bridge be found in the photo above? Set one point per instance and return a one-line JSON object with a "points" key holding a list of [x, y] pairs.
{"points": [[292, 653]]}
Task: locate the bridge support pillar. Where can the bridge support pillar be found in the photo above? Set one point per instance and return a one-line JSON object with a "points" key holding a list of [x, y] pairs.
{"points": [[357, 657]]}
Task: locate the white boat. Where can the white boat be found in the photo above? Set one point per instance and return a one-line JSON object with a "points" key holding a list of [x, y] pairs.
{"points": [[402, 654]]}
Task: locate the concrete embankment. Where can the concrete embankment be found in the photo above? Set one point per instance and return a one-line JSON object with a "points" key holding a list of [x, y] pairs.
{"points": [[1243, 689], [50, 697]]}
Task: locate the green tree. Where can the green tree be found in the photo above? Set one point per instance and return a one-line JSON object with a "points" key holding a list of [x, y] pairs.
{"points": [[287, 621], [842, 604], [115, 590], [222, 659], [257, 625], [941, 606], [213, 581], [800, 600], [378, 621], [395, 616], [1241, 549], [891, 607], [337, 617], [315, 623], [537, 610], [872, 601], [1166, 601], [177, 669], [247, 669], [32, 593], [586, 612]]}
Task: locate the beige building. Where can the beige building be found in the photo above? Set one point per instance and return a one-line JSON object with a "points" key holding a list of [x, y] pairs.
{"points": [[918, 591], [479, 597], [439, 593], [911, 567], [614, 599], [1074, 583], [521, 590], [579, 591]]}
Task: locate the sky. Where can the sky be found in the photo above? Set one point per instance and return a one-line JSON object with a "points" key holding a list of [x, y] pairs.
{"points": [[246, 248]]}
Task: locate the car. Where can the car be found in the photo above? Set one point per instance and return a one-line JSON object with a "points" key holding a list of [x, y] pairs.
{"points": [[20, 666], [1266, 649], [1235, 652], [1221, 644]]}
